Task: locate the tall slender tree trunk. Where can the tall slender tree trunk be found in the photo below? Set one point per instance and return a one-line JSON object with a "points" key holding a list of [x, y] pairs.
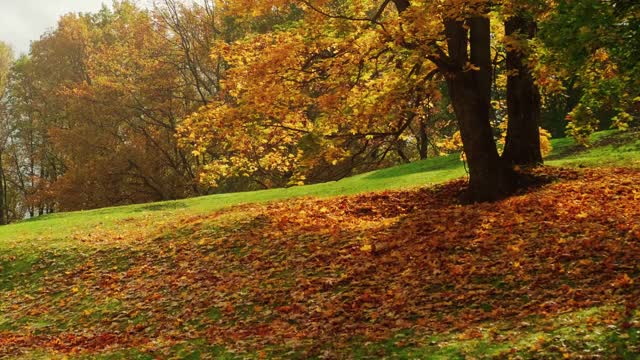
{"points": [[3, 194], [470, 92], [523, 99], [423, 140]]}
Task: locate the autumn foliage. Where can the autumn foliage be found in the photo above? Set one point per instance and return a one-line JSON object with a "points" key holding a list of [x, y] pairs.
{"points": [[131, 104]]}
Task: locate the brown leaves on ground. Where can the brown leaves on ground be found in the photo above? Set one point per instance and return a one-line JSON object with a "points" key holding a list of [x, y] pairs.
{"points": [[313, 274]]}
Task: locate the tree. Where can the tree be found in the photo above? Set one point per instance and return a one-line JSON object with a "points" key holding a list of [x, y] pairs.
{"points": [[6, 58], [97, 103], [308, 103], [593, 48], [468, 45], [468, 72], [457, 47], [522, 145], [33, 160]]}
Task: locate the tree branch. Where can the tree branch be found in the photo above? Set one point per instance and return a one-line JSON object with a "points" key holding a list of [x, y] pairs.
{"points": [[337, 16]]}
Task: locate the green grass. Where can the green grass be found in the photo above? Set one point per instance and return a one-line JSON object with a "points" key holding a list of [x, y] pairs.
{"points": [[60, 227], [610, 148], [536, 338]]}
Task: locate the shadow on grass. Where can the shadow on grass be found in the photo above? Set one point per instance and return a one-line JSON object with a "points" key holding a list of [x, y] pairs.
{"points": [[448, 162], [629, 139], [38, 218], [162, 206]]}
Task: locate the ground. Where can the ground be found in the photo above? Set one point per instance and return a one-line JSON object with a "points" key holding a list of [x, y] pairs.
{"points": [[403, 272]]}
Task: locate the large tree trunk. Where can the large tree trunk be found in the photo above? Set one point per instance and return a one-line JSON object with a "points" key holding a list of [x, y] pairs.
{"points": [[470, 91], [523, 100]]}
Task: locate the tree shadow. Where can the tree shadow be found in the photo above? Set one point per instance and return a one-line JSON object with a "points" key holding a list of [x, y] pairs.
{"points": [[617, 140], [173, 205]]}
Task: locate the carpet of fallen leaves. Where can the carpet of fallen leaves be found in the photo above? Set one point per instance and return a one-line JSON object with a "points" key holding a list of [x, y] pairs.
{"points": [[313, 275]]}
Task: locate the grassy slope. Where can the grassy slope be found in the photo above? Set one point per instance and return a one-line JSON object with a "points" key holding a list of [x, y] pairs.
{"points": [[616, 149], [60, 226], [68, 239]]}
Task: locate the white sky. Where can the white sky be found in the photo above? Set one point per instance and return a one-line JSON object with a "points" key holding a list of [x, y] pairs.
{"points": [[22, 21]]}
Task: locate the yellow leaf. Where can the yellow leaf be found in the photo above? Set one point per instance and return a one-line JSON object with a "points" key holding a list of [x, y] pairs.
{"points": [[366, 248], [582, 215]]}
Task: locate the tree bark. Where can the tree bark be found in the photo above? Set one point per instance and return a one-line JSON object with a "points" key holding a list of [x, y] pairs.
{"points": [[402, 5], [3, 194], [523, 100], [423, 140], [470, 91]]}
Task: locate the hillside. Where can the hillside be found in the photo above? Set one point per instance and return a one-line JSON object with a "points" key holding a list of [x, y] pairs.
{"points": [[609, 149], [404, 271]]}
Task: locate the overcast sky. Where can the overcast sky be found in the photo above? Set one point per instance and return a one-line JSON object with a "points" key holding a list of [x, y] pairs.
{"points": [[22, 21]]}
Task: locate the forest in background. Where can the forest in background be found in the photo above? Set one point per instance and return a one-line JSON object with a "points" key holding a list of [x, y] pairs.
{"points": [[132, 105]]}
